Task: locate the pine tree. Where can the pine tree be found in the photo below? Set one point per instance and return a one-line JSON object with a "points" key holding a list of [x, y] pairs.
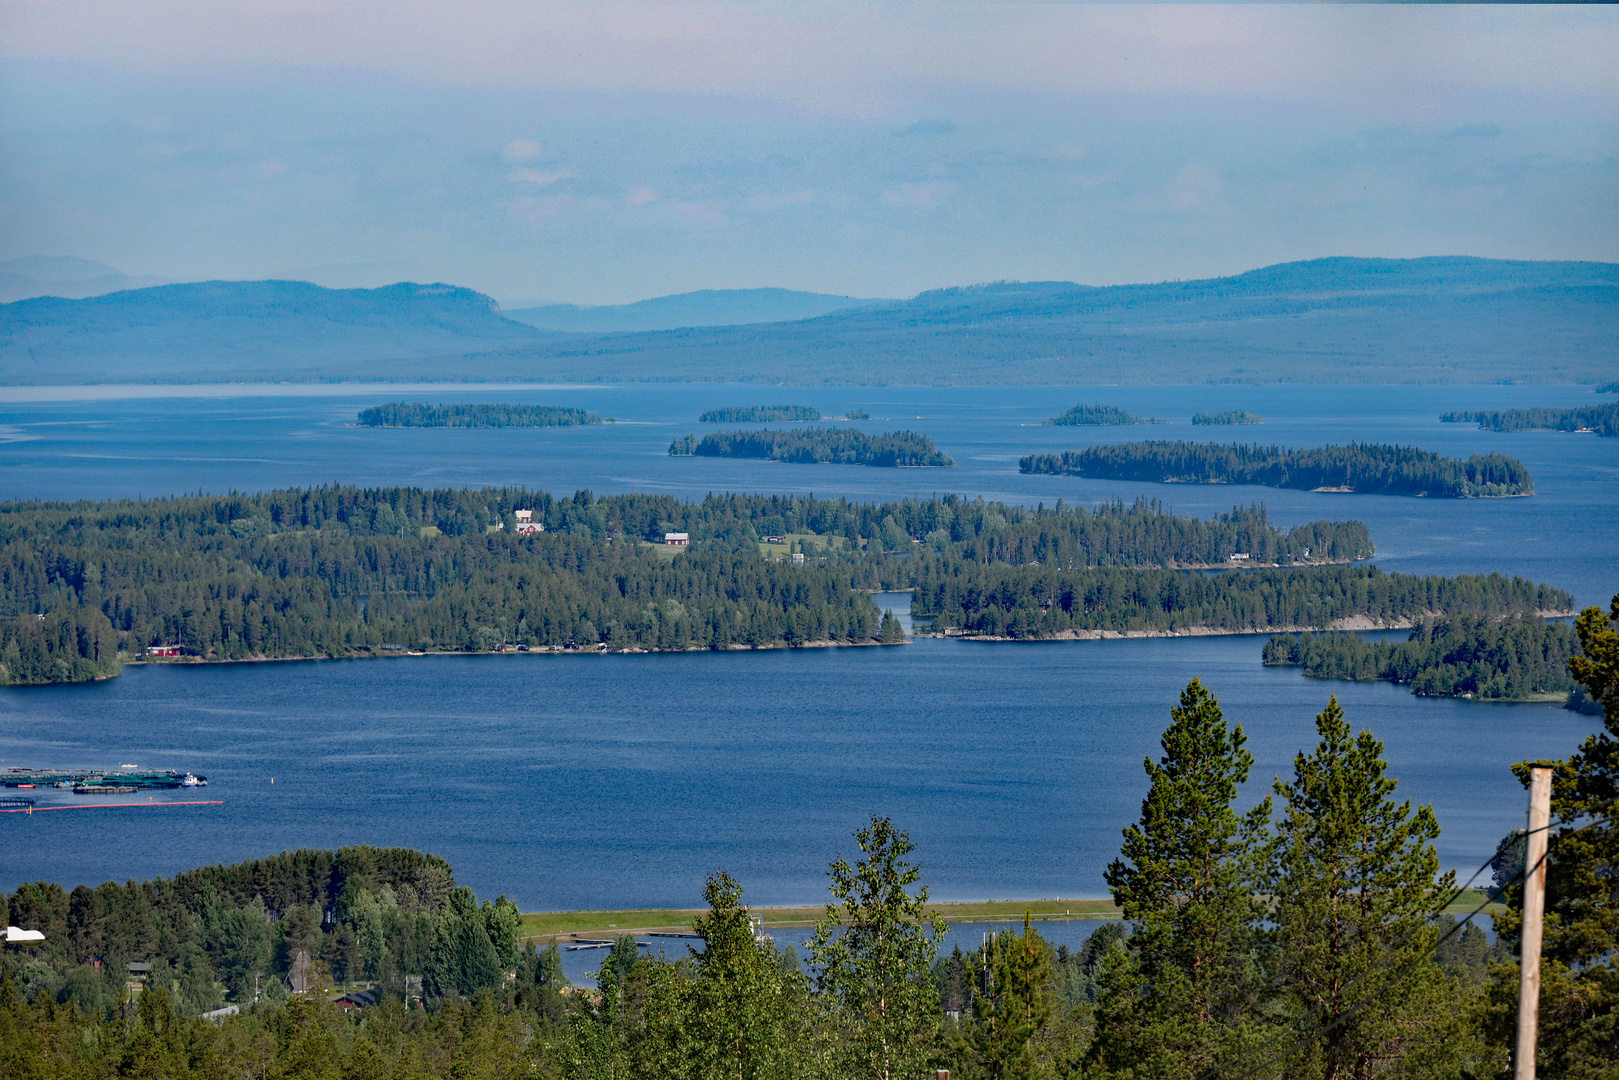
{"points": [[1182, 999], [1579, 987], [1013, 1007], [877, 973], [1355, 879]]}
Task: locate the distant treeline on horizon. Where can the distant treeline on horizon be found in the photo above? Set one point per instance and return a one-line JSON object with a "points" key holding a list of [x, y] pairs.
{"points": [[1363, 468], [407, 414], [1601, 419]]}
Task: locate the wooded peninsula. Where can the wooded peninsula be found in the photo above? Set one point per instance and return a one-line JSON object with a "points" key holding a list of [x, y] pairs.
{"points": [[1097, 415], [1363, 468], [758, 414], [406, 414], [822, 446], [1233, 417], [341, 571], [1513, 659], [1601, 419]]}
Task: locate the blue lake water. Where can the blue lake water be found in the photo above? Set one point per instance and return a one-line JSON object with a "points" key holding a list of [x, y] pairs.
{"points": [[621, 780]]}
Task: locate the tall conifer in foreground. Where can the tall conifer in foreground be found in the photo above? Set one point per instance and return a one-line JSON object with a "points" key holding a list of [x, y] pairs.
{"points": [[1181, 1001], [1579, 990], [1355, 877], [1013, 1005]]}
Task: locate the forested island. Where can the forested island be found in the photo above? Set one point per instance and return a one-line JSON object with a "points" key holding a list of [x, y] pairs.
{"points": [[406, 414], [1474, 656], [999, 601], [1098, 415], [758, 414], [1363, 468], [1233, 417], [339, 571], [822, 446], [1601, 419]]}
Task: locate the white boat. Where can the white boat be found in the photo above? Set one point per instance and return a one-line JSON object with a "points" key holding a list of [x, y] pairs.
{"points": [[191, 781]]}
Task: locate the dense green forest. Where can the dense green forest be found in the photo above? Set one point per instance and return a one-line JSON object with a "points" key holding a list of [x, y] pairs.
{"points": [[1097, 415], [351, 572], [1513, 659], [758, 414], [1033, 602], [1233, 417], [406, 414], [820, 446], [224, 933], [1602, 419], [683, 446], [1364, 468]]}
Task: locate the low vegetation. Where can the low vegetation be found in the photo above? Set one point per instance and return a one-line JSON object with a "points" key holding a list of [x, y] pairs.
{"points": [[1233, 417], [1474, 656], [1364, 468], [1096, 416], [758, 414], [406, 414], [822, 446], [1601, 419]]}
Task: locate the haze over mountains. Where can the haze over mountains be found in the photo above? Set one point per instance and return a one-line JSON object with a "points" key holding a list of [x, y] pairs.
{"points": [[60, 275], [1339, 320], [708, 307]]}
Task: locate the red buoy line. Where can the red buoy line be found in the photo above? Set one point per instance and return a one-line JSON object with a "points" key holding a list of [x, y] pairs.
{"points": [[110, 805]]}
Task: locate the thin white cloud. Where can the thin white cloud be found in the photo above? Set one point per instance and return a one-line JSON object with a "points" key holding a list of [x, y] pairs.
{"points": [[640, 196], [923, 196], [522, 150], [541, 177]]}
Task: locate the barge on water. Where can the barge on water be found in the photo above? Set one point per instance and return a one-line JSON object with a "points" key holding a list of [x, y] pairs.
{"points": [[124, 780]]}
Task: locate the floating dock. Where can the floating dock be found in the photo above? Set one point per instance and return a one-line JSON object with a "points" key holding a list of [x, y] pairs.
{"points": [[123, 780]]}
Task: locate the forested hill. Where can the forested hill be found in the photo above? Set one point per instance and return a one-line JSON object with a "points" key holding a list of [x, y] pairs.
{"points": [[1337, 320], [1600, 419], [347, 572], [218, 932], [1035, 602], [821, 446], [1471, 656], [408, 414], [1359, 467]]}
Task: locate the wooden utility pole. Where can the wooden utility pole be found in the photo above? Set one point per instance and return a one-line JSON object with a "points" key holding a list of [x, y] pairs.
{"points": [[1534, 911]]}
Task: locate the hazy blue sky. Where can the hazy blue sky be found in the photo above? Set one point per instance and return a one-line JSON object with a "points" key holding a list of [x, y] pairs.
{"points": [[606, 151]]}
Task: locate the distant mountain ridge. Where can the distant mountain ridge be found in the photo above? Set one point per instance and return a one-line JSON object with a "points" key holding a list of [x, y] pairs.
{"points": [[62, 275], [1337, 320], [706, 307]]}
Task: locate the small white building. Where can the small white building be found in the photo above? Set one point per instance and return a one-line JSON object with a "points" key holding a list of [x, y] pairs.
{"points": [[677, 539]]}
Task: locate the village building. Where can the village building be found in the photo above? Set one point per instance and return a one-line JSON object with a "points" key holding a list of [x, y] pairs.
{"points": [[677, 539]]}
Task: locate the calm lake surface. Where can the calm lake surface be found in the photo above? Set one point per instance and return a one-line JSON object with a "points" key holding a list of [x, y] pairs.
{"points": [[609, 781]]}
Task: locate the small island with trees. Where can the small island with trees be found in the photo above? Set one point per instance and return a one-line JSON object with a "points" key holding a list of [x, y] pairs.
{"points": [[1097, 415], [402, 414], [821, 446], [1598, 419], [1362, 468], [1524, 658], [1230, 417], [760, 414]]}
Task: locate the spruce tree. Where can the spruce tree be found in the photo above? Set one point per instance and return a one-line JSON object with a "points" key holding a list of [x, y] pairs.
{"points": [[1355, 880], [1182, 999]]}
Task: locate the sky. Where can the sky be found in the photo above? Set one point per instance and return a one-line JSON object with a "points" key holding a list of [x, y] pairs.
{"points": [[612, 150]]}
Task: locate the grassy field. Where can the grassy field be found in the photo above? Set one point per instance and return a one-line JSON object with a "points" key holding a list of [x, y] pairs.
{"points": [[808, 543], [548, 926]]}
